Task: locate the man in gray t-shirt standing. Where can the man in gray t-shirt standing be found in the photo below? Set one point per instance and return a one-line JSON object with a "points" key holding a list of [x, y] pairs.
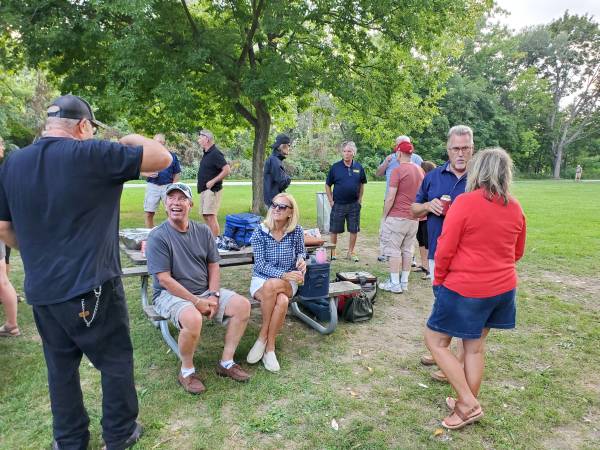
{"points": [[183, 257]]}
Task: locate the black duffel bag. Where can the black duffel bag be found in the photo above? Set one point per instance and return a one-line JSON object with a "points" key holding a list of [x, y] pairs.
{"points": [[358, 308]]}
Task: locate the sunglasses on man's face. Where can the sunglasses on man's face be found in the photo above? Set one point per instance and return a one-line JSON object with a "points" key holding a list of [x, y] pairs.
{"points": [[280, 206]]}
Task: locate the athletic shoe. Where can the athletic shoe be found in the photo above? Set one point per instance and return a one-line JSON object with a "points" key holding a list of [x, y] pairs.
{"points": [[388, 286]]}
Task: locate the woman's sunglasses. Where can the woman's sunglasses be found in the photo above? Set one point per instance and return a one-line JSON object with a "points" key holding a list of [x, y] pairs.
{"points": [[280, 206]]}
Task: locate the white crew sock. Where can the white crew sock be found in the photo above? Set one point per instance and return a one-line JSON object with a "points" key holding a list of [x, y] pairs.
{"points": [[187, 372], [227, 364], [404, 278], [395, 277]]}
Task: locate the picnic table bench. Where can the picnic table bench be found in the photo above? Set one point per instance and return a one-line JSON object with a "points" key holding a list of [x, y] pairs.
{"points": [[336, 289], [229, 259]]}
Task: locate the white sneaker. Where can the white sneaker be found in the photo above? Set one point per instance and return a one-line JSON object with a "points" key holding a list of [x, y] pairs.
{"points": [[387, 285], [270, 362], [404, 286], [256, 352]]}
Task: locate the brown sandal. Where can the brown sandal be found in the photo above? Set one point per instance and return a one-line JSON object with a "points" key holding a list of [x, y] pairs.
{"points": [[468, 417], [6, 331]]}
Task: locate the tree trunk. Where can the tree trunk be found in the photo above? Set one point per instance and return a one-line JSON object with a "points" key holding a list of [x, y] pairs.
{"points": [[558, 152], [262, 126]]}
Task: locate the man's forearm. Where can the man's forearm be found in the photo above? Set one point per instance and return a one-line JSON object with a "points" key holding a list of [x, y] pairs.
{"points": [[214, 276], [361, 191], [7, 234], [176, 288], [419, 209], [226, 170], [328, 192]]}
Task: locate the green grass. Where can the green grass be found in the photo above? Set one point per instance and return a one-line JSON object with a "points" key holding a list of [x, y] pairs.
{"points": [[540, 389]]}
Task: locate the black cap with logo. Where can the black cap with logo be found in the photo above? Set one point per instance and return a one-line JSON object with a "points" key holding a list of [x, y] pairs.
{"points": [[73, 107]]}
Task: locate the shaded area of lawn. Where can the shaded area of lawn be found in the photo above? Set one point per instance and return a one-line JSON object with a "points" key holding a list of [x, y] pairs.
{"points": [[540, 387]]}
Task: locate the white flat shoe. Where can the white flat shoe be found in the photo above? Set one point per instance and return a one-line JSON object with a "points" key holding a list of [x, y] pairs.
{"points": [[270, 362], [256, 352]]}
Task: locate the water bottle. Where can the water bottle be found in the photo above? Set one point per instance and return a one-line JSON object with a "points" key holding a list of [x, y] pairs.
{"points": [[321, 255]]}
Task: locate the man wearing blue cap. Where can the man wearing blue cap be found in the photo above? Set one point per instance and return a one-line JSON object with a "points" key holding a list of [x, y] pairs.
{"points": [[275, 178], [59, 204]]}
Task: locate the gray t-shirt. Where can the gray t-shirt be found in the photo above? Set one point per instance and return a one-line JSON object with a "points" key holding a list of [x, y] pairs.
{"points": [[186, 255]]}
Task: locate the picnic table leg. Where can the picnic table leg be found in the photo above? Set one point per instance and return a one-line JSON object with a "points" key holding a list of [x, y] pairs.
{"points": [[313, 323], [168, 338], [144, 295]]}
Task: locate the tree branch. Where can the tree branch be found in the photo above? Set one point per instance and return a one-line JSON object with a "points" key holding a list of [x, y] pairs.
{"points": [[195, 31], [246, 114]]}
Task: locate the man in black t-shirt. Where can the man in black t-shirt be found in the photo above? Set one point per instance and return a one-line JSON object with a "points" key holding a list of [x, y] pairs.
{"points": [[59, 204], [213, 168]]}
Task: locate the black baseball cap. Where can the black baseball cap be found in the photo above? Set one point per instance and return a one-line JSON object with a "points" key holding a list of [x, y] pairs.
{"points": [[281, 139], [73, 107]]}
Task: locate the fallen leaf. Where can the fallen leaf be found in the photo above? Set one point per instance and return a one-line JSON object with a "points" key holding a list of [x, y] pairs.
{"points": [[334, 424], [359, 352], [438, 431], [353, 394], [504, 405], [370, 369], [423, 385]]}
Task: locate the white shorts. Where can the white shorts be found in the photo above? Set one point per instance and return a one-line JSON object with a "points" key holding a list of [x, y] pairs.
{"points": [[154, 194], [258, 282]]}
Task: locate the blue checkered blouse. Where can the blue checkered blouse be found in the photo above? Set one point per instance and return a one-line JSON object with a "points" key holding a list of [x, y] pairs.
{"points": [[271, 258]]}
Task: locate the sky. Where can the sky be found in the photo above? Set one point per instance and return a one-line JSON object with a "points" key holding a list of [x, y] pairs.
{"points": [[535, 12]]}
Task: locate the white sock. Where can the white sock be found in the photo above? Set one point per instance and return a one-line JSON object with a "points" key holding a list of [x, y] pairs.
{"points": [[431, 269], [395, 277], [227, 364], [404, 278], [187, 372]]}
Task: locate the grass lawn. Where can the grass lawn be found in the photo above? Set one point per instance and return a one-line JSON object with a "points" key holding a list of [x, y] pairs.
{"points": [[541, 388]]}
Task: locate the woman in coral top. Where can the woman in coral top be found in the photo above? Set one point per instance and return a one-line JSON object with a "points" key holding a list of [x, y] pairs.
{"points": [[475, 278]]}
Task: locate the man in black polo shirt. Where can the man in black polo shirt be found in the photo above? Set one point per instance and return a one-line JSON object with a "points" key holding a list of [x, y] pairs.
{"points": [[59, 203], [213, 168], [348, 178]]}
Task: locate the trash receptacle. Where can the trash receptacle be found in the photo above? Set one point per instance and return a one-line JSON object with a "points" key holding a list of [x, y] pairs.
{"points": [[323, 212]]}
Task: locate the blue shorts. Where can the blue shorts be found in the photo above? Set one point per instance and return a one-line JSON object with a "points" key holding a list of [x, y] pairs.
{"points": [[348, 214], [466, 317]]}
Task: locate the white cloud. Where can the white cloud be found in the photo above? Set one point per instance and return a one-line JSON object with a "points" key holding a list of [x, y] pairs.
{"points": [[535, 12]]}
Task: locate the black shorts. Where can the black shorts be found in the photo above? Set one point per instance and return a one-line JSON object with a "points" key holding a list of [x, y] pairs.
{"points": [[422, 234], [347, 213]]}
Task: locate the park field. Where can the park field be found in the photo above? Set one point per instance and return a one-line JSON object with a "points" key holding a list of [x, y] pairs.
{"points": [[541, 388]]}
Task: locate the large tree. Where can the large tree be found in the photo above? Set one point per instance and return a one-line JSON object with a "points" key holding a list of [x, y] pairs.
{"points": [[566, 54], [176, 64]]}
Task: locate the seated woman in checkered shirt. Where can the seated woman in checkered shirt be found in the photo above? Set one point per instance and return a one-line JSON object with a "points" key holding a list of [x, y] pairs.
{"points": [[279, 266]]}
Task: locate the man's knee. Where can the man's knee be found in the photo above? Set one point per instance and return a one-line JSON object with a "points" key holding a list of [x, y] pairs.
{"points": [[190, 320], [239, 307]]}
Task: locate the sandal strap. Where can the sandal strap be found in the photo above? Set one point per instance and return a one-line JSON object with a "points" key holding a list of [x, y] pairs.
{"points": [[464, 416]]}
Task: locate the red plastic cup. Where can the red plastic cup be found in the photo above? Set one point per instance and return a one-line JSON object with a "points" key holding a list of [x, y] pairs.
{"points": [[446, 200]]}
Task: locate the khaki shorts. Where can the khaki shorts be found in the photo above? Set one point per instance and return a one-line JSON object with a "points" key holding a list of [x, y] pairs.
{"points": [[210, 202], [170, 306], [154, 195], [398, 236]]}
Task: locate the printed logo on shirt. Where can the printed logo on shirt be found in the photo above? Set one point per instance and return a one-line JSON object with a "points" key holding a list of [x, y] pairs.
{"points": [[355, 170]]}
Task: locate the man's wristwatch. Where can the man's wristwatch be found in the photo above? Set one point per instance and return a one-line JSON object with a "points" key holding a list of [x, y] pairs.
{"points": [[214, 294]]}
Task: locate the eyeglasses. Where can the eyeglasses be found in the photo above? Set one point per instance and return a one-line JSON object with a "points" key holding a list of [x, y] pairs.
{"points": [[280, 206], [465, 149]]}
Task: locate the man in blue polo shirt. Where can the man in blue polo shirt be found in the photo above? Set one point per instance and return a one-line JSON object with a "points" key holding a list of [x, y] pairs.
{"points": [[348, 178], [448, 179], [59, 204], [157, 183]]}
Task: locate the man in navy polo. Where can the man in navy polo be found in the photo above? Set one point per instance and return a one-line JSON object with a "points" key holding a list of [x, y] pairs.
{"points": [[348, 179], [157, 183], [447, 179], [59, 203]]}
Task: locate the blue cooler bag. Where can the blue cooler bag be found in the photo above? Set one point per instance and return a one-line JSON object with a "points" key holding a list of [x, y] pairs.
{"points": [[316, 282], [240, 227]]}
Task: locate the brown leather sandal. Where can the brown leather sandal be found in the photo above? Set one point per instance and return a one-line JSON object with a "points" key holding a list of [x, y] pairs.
{"points": [[6, 331], [468, 417]]}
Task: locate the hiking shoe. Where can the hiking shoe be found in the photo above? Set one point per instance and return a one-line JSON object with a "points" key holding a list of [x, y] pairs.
{"points": [[404, 286], [235, 372], [388, 286], [270, 362], [191, 383], [256, 352], [438, 375], [353, 257], [383, 258]]}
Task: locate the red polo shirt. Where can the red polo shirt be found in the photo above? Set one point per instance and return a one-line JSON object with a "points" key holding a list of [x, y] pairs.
{"points": [[481, 241]]}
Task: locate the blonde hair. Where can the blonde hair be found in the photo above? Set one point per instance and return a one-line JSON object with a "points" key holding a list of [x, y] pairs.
{"points": [[491, 170], [292, 221]]}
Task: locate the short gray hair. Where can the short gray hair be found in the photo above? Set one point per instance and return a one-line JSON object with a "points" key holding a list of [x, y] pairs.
{"points": [[61, 123], [491, 170], [460, 130], [402, 138], [208, 134], [350, 144]]}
